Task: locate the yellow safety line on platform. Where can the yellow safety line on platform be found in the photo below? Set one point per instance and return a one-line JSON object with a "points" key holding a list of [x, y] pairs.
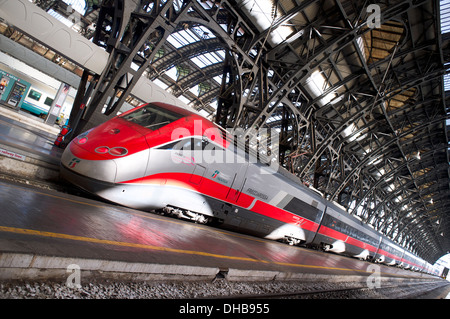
{"points": [[138, 213], [152, 247]]}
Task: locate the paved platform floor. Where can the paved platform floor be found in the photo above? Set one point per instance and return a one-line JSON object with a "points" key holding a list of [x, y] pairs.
{"points": [[37, 222], [49, 223]]}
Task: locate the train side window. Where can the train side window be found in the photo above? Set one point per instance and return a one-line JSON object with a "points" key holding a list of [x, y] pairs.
{"points": [[168, 146], [353, 232], [208, 146], [197, 144], [362, 236], [205, 143], [184, 145], [187, 145], [190, 144], [301, 208], [350, 231], [329, 221]]}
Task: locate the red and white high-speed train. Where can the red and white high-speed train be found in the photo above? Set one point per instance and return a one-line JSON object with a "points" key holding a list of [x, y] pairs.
{"points": [[162, 157]]}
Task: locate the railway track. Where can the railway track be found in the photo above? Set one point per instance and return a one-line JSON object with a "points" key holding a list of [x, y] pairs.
{"points": [[337, 293]]}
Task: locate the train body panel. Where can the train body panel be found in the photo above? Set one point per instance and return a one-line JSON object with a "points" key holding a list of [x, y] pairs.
{"points": [[342, 233], [389, 253], [160, 157], [102, 170]]}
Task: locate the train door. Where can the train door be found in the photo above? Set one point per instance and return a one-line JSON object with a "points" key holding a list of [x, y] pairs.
{"points": [[238, 183], [402, 259], [378, 255], [319, 220], [197, 174]]}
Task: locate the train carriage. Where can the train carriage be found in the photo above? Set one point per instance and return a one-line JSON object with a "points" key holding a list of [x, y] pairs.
{"points": [[389, 253], [341, 233], [162, 157]]}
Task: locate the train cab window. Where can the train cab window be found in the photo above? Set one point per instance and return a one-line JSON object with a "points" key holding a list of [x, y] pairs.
{"points": [[210, 146], [152, 116], [190, 144], [176, 145]]}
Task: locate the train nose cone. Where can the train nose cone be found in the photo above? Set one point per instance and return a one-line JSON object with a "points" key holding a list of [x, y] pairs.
{"points": [[76, 160]]}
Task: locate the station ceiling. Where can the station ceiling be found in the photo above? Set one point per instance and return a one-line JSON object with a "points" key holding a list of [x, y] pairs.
{"points": [[356, 90]]}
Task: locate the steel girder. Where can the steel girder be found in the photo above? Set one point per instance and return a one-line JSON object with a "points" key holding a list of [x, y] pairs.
{"points": [[183, 54], [409, 74], [373, 137], [367, 106]]}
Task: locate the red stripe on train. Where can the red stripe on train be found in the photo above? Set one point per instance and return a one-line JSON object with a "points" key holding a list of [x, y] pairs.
{"points": [[326, 231], [220, 192]]}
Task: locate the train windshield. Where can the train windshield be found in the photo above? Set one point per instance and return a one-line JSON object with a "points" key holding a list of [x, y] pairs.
{"points": [[152, 116]]}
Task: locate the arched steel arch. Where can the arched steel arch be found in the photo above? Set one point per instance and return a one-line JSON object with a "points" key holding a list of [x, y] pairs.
{"points": [[184, 53], [196, 77]]}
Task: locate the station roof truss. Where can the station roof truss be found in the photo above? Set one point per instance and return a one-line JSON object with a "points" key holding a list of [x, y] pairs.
{"points": [[360, 104]]}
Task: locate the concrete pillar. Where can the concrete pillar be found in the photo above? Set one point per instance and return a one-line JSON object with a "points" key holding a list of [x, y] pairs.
{"points": [[57, 103]]}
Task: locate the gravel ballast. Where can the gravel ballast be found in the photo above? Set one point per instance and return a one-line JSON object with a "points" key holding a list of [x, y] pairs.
{"points": [[187, 290]]}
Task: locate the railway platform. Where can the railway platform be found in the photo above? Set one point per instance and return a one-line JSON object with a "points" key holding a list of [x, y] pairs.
{"points": [[26, 146], [44, 233]]}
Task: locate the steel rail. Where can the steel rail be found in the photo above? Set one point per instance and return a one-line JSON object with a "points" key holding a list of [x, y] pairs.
{"points": [[319, 291]]}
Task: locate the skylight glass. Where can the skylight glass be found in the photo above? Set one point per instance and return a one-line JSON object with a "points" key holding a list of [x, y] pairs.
{"points": [[78, 5], [175, 40], [316, 84], [194, 89], [199, 62], [262, 12], [172, 73], [445, 28], [60, 18], [203, 113], [184, 99], [447, 82], [182, 38], [206, 59], [445, 16]]}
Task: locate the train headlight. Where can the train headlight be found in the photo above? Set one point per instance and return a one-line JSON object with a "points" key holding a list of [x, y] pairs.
{"points": [[115, 151], [118, 151], [102, 149], [82, 140]]}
